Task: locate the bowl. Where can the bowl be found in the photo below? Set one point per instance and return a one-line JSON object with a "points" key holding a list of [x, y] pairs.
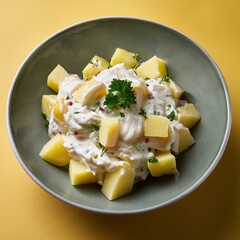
{"points": [[188, 64]]}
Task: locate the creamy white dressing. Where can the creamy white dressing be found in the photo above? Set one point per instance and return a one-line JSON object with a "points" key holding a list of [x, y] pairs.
{"points": [[81, 140]]}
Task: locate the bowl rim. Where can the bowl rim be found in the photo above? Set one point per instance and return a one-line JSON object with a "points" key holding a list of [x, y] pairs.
{"points": [[107, 211]]}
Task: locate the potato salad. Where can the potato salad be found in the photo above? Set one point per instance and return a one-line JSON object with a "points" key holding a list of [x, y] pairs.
{"points": [[120, 122]]}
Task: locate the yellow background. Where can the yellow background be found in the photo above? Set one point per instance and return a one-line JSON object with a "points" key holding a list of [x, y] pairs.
{"points": [[210, 212]]}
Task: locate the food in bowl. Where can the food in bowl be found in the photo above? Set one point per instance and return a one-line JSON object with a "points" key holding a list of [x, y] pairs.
{"points": [[121, 121]]}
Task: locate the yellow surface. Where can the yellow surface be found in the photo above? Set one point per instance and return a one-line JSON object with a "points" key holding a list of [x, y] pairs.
{"points": [[210, 212]]}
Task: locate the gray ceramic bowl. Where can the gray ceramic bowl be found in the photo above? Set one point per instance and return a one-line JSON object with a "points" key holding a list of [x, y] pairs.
{"points": [[188, 64]]}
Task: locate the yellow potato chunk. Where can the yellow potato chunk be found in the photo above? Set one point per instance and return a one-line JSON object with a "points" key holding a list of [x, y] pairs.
{"points": [[162, 164], [123, 56], [141, 91], [95, 66], [119, 183], [188, 115], [109, 132], [54, 152], [176, 90], [79, 174], [153, 68], [89, 92], [58, 110], [184, 140], [47, 104], [57, 76], [156, 126]]}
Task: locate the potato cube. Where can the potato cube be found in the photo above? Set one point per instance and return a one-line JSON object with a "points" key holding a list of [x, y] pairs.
{"points": [[54, 152], [79, 174], [95, 66], [183, 141], [176, 90], [153, 68], [89, 92], [58, 110], [47, 104], [162, 164], [141, 91], [57, 76], [156, 126], [188, 115], [119, 183], [123, 56], [109, 132]]}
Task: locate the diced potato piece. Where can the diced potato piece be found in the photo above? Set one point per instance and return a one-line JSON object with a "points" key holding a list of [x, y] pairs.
{"points": [[176, 90], [47, 104], [56, 77], [123, 56], [54, 152], [89, 92], [141, 90], [95, 66], [153, 68], [188, 115], [119, 183], [57, 110], [165, 164], [79, 174], [183, 141], [109, 132], [156, 126]]}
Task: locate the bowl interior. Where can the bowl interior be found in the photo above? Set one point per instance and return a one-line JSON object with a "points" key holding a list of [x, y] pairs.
{"points": [[73, 47]]}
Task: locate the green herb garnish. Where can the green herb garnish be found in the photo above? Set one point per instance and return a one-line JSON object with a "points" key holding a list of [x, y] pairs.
{"points": [[103, 149], [165, 79], [120, 95], [143, 113], [46, 125], [137, 57], [67, 98], [95, 63], [171, 116], [147, 78], [95, 127], [44, 115], [76, 112], [122, 114], [153, 159], [96, 107]]}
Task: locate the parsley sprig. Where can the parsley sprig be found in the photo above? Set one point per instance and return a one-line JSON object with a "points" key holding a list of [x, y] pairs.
{"points": [[120, 95]]}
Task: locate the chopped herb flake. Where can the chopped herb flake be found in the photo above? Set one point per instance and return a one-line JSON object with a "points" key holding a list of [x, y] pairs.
{"points": [[171, 116], [44, 115], [165, 79], [103, 149], [143, 113], [153, 159], [95, 63], [122, 114], [96, 107], [137, 57], [95, 127], [147, 78]]}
